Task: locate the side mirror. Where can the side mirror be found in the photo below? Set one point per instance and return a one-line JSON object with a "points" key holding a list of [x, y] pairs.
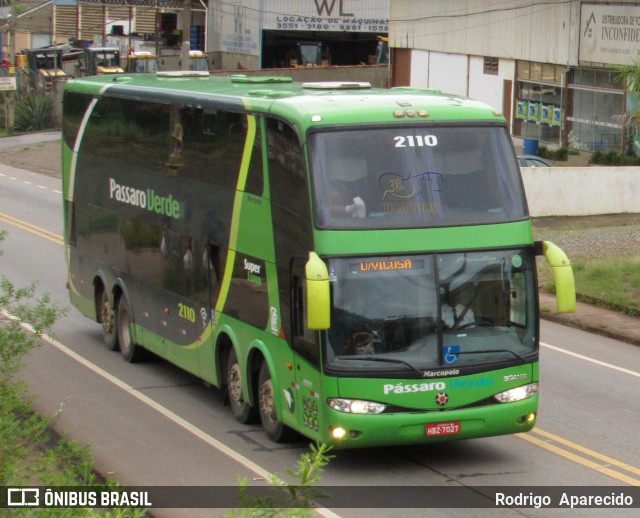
{"points": [[318, 293], [562, 277]]}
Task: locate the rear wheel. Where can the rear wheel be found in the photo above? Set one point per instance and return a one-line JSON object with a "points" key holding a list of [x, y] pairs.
{"points": [[131, 352], [108, 319], [242, 411], [275, 429]]}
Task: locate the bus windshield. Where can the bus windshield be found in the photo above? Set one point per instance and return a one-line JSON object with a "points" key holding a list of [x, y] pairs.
{"points": [[432, 311], [415, 176]]}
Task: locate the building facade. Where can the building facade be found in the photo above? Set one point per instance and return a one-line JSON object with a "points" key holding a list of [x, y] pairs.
{"points": [[153, 25], [548, 66], [266, 33], [247, 34]]}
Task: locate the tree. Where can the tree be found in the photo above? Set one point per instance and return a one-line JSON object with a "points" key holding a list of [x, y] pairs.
{"points": [[629, 77]]}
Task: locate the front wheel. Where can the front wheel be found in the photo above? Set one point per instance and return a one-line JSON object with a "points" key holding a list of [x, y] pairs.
{"points": [[131, 352], [108, 319], [275, 429]]}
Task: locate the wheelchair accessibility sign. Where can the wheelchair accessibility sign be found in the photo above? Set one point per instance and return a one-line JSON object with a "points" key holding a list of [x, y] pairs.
{"points": [[451, 354]]}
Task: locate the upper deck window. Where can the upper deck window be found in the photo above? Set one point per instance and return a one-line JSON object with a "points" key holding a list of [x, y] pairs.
{"points": [[415, 176]]}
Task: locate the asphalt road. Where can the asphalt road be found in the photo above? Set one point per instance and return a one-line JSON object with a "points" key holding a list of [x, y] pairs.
{"points": [[153, 425], [29, 139]]}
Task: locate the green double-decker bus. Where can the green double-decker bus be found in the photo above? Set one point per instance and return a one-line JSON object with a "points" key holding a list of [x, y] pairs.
{"points": [[353, 264]]}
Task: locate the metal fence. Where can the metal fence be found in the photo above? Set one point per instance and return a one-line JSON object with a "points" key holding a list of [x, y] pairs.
{"points": [[27, 84]]}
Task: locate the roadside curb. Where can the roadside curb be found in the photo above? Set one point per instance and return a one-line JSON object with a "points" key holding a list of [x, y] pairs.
{"points": [[593, 319], [10, 141]]}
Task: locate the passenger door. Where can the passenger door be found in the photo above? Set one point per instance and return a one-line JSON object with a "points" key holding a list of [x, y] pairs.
{"points": [[306, 345]]}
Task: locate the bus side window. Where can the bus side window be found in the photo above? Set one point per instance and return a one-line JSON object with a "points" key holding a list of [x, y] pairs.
{"points": [[213, 147], [255, 176], [290, 210], [75, 106]]}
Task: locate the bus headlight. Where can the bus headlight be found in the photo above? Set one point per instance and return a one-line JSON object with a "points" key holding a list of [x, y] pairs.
{"points": [[356, 406], [518, 393]]}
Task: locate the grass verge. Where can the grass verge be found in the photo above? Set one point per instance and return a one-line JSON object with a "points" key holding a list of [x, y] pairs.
{"points": [[605, 254], [613, 283], [31, 454]]}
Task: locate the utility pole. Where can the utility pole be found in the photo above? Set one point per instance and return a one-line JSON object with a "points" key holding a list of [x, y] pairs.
{"points": [[10, 100], [186, 35]]}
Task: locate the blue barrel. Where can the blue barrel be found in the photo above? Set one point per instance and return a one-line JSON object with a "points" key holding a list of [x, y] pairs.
{"points": [[530, 147]]}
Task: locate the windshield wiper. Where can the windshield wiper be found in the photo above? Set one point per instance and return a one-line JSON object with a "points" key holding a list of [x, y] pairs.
{"points": [[380, 359], [521, 358]]}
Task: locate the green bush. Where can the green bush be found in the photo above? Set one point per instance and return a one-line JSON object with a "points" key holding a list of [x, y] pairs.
{"points": [[561, 154], [597, 158], [300, 498], [614, 158], [34, 113]]}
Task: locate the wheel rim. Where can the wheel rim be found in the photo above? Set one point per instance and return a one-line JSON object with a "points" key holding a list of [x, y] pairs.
{"points": [[267, 404], [106, 316], [234, 383]]}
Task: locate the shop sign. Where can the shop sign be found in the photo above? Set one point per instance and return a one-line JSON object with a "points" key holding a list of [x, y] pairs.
{"points": [[609, 34], [7, 83]]}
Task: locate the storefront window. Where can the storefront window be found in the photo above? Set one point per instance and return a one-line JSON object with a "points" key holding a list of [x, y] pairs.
{"points": [[595, 122], [596, 107], [538, 112], [536, 71], [604, 80], [523, 70], [548, 73], [593, 100]]}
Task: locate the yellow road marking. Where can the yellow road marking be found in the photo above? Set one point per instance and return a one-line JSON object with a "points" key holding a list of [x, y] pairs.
{"points": [[601, 468], [587, 451], [39, 231]]}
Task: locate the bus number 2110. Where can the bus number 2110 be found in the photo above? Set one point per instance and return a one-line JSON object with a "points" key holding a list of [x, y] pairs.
{"points": [[416, 141], [186, 312]]}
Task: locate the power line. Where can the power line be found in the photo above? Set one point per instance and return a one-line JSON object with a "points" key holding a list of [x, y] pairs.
{"points": [[482, 12]]}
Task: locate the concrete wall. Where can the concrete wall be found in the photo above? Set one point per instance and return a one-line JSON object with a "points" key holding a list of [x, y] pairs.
{"points": [[582, 191], [488, 88], [448, 72], [462, 75], [546, 32]]}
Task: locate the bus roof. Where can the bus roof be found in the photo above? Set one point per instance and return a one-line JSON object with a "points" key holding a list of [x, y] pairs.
{"points": [[309, 104]]}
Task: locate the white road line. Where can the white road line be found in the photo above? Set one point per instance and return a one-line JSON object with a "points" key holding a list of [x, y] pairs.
{"points": [[592, 360], [161, 409], [27, 182], [221, 447]]}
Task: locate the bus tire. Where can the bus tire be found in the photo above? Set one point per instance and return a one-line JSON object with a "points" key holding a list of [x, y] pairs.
{"points": [[275, 429], [131, 352], [242, 411], [108, 319]]}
